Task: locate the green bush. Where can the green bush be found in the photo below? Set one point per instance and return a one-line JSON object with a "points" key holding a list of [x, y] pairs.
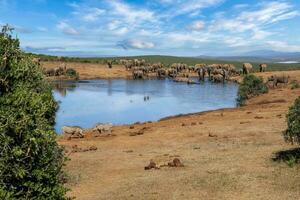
{"points": [[295, 84], [72, 73], [251, 86], [30, 159], [292, 133]]}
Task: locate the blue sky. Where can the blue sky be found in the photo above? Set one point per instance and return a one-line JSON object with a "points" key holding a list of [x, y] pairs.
{"points": [[166, 27]]}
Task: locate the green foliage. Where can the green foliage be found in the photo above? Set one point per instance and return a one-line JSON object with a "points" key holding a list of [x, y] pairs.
{"points": [[30, 159], [292, 133], [295, 85], [72, 73], [251, 86]]}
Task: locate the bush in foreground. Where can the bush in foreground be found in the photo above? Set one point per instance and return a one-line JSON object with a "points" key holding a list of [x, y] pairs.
{"points": [[30, 159], [292, 133], [251, 86]]}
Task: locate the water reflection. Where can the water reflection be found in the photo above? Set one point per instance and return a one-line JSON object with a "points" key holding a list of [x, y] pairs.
{"points": [[86, 103]]}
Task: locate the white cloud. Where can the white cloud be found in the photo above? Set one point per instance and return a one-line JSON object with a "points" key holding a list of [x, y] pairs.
{"points": [[67, 29], [283, 46], [197, 25], [130, 14], [92, 14], [255, 21], [136, 44]]}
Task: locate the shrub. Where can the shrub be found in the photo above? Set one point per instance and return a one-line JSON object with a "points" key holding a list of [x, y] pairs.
{"points": [[72, 73], [30, 159], [292, 133], [251, 86], [295, 84]]}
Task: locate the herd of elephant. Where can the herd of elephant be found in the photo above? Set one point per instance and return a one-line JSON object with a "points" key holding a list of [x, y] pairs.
{"points": [[57, 71], [181, 72]]}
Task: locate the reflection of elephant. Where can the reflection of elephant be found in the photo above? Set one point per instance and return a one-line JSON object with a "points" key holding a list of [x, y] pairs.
{"points": [[263, 67], [138, 74], [247, 68], [278, 79], [59, 87]]}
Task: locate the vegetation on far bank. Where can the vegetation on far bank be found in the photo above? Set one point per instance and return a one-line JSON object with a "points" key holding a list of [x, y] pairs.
{"points": [[31, 161], [167, 60]]}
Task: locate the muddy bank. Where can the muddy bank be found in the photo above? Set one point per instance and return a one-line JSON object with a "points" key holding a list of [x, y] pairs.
{"points": [[227, 154]]}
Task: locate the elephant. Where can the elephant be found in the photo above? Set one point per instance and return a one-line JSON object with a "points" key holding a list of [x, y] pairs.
{"points": [[174, 66], [59, 71], [191, 68], [138, 62], [172, 73], [109, 63], [217, 78], [138, 74], [201, 74], [247, 68], [73, 131], [278, 79], [128, 65], [50, 72], [263, 67], [123, 61], [161, 73], [156, 66]]}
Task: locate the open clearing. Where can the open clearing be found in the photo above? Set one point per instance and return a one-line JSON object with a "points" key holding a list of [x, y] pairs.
{"points": [[227, 155]]}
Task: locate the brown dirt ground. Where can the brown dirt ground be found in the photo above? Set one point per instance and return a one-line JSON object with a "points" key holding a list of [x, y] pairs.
{"points": [[90, 71], [227, 155]]}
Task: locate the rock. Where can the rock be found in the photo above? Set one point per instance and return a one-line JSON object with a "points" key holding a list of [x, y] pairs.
{"points": [[76, 149], [212, 135], [131, 127], [258, 117], [193, 123], [176, 163], [93, 148], [152, 165]]}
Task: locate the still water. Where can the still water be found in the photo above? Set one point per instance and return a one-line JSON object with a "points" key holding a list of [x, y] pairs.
{"points": [[86, 103]]}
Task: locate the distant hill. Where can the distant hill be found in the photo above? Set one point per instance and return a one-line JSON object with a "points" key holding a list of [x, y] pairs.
{"points": [[260, 56]]}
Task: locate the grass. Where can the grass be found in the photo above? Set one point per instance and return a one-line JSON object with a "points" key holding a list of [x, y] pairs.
{"points": [[167, 60]]}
